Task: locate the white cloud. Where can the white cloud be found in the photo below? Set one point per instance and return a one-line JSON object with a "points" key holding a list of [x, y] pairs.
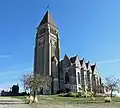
{"points": [[109, 61]]}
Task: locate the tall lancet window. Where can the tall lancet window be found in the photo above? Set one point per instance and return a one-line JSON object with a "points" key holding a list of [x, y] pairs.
{"points": [[78, 78], [66, 78], [82, 77]]}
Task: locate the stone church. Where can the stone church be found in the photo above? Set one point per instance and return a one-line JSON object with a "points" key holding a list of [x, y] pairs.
{"points": [[71, 73]]}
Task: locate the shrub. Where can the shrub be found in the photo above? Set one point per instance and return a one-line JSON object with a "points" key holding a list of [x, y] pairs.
{"points": [[83, 94], [89, 94], [78, 94], [108, 99], [86, 94], [71, 94], [63, 94], [61, 91], [99, 95], [93, 99], [67, 90]]}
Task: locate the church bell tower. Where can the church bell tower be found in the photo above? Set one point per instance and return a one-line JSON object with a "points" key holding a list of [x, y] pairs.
{"points": [[47, 51]]}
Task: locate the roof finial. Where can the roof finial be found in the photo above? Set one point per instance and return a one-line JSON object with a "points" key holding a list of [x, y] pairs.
{"points": [[48, 7]]}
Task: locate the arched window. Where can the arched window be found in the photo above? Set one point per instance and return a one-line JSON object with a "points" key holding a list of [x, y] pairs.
{"points": [[100, 81], [82, 77], [66, 78], [78, 78]]}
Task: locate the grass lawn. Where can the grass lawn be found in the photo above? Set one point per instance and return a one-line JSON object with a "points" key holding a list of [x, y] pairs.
{"points": [[54, 101], [68, 100], [71, 100]]}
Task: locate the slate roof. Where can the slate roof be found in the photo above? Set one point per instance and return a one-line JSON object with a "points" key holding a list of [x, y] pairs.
{"points": [[81, 62], [93, 67], [72, 59], [87, 64], [47, 19], [66, 56]]}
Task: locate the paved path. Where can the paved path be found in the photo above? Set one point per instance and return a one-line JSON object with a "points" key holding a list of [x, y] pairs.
{"points": [[8, 102]]}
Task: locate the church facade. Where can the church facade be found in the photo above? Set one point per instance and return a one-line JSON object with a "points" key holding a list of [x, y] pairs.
{"points": [[71, 73]]}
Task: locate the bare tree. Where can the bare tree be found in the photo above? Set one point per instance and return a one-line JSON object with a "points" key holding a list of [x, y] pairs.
{"points": [[34, 83], [112, 84]]}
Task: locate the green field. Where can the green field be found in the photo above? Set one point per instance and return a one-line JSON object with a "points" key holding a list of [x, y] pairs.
{"points": [[54, 101], [69, 100]]}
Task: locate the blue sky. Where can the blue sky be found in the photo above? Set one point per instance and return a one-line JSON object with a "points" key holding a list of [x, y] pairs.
{"points": [[89, 28]]}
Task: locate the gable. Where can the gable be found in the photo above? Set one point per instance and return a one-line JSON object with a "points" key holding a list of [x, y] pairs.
{"points": [[94, 69], [83, 64], [73, 59], [66, 62], [88, 66], [78, 62]]}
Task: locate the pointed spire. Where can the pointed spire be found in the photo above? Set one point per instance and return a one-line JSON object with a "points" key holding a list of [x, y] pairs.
{"points": [[47, 19]]}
